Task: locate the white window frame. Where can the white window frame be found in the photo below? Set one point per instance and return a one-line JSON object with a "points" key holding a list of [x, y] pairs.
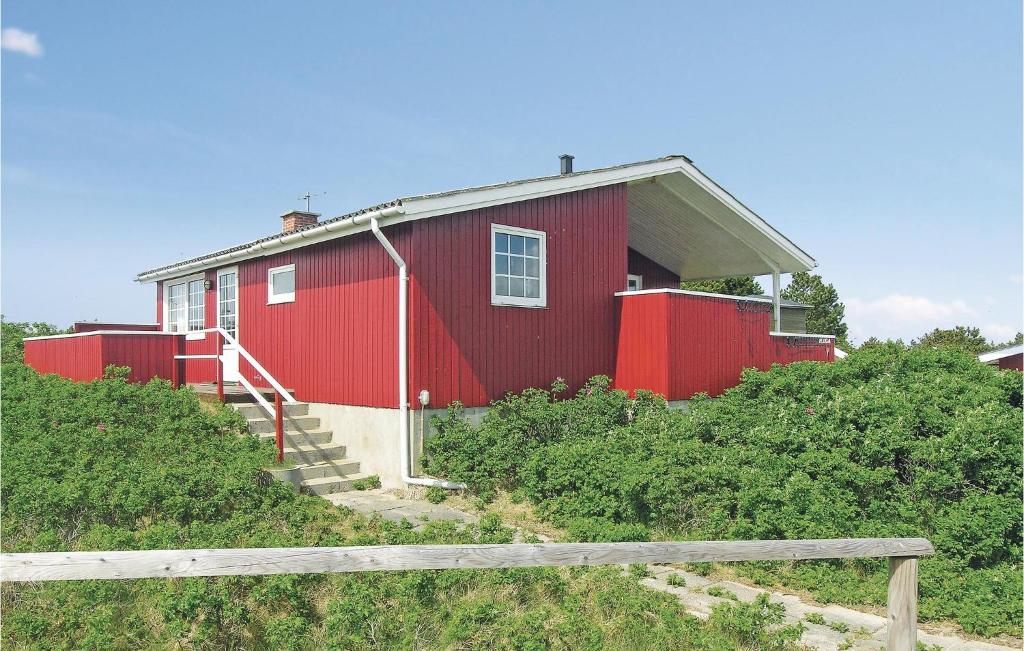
{"points": [[220, 272], [638, 279], [183, 280], [274, 299], [520, 301]]}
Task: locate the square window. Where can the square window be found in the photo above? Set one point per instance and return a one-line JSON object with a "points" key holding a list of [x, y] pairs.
{"points": [[518, 267], [501, 286], [281, 284], [516, 287], [532, 288], [532, 268], [501, 242]]}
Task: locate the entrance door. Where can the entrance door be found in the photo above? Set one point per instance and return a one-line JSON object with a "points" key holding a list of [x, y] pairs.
{"points": [[227, 318]]}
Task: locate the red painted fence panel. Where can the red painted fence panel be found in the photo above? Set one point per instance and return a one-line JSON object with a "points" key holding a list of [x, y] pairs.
{"points": [[76, 358], [84, 357], [680, 344]]}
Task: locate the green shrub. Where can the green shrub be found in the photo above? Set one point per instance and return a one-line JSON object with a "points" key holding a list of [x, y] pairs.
{"points": [[367, 483], [436, 494], [112, 465], [887, 443]]}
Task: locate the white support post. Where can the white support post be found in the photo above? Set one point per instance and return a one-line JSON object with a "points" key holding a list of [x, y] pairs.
{"points": [[776, 309]]}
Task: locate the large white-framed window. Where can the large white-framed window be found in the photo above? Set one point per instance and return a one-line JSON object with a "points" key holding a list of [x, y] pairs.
{"points": [[281, 284], [518, 266], [185, 304]]}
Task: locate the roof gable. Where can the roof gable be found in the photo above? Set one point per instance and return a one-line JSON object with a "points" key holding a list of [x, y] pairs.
{"points": [[770, 247]]}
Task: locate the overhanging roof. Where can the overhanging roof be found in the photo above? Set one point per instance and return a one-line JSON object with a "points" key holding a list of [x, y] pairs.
{"points": [[678, 217], [1002, 353]]}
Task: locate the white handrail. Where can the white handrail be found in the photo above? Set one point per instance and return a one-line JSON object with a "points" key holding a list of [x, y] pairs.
{"points": [[259, 397], [256, 365]]}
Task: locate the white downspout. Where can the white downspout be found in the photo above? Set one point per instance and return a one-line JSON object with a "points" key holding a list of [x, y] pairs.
{"points": [[403, 362]]}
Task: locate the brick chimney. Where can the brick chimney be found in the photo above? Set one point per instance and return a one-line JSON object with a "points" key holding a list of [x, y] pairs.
{"points": [[297, 219]]}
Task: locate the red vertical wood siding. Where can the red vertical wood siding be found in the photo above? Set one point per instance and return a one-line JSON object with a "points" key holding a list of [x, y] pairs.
{"points": [[1013, 362], [705, 345], [148, 356], [655, 275], [463, 348], [84, 358], [337, 342], [76, 358]]}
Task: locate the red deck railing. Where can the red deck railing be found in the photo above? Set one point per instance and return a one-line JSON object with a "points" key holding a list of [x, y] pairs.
{"points": [[679, 343]]}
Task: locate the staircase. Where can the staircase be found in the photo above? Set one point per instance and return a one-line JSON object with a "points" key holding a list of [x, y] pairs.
{"points": [[313, 462]]}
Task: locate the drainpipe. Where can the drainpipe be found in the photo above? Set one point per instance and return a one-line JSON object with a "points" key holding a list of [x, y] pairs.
{"points": [[403, 361]]}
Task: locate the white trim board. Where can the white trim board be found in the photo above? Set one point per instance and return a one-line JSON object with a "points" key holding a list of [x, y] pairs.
{"points": [[689, 292], [108, 332], [806, 335]]}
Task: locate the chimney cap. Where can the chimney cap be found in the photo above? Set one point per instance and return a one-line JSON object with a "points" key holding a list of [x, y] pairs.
{"points": [[566, 159], [301, 212]]}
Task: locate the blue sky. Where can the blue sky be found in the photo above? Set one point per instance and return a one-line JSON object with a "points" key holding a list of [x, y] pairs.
{"points": [[884, 138]]}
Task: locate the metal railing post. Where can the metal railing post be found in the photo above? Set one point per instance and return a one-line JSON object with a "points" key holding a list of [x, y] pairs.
{"points": [[902, 603], [220, 368], [279, 426]]}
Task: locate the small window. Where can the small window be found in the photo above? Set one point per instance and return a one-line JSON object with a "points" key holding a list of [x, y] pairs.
{"points": [[177, 307], [518, 266], [281, 284], [634, 282]]}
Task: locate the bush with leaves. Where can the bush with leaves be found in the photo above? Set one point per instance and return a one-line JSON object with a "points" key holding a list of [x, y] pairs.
{"points": [[114, 465], [887, 443]]}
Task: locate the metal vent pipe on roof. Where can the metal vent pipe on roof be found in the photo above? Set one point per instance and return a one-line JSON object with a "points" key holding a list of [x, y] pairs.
{"points": [[566, 163]]}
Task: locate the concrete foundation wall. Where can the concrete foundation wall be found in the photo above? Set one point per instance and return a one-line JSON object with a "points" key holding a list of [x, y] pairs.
{"points": [[370, 436]]}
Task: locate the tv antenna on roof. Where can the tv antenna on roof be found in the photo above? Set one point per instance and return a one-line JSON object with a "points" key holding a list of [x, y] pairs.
{"points": [[309, 196]]}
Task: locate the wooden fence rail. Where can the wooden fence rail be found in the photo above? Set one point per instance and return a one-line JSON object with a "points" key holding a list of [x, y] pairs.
{"points": [[172, 563]]}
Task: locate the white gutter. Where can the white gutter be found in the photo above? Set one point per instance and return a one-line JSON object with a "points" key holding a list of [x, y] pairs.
{"points": [[403, 360], [282, 242]]}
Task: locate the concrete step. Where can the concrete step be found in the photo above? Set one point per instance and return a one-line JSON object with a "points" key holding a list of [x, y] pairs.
{"points": [[310, 454], [295, 476], [252, 410], [294, 438], [301, 423], [329, 485]]}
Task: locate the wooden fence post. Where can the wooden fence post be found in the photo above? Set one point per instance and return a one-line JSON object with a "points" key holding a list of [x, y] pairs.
{"points": [[902, 603]]}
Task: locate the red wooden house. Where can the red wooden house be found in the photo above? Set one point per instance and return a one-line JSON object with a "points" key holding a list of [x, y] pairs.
{"points": [[466, 295]]}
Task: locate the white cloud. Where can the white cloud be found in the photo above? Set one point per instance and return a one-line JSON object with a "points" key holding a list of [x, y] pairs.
{"points": [[999, 333], [901, 316], [15, 40]]}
